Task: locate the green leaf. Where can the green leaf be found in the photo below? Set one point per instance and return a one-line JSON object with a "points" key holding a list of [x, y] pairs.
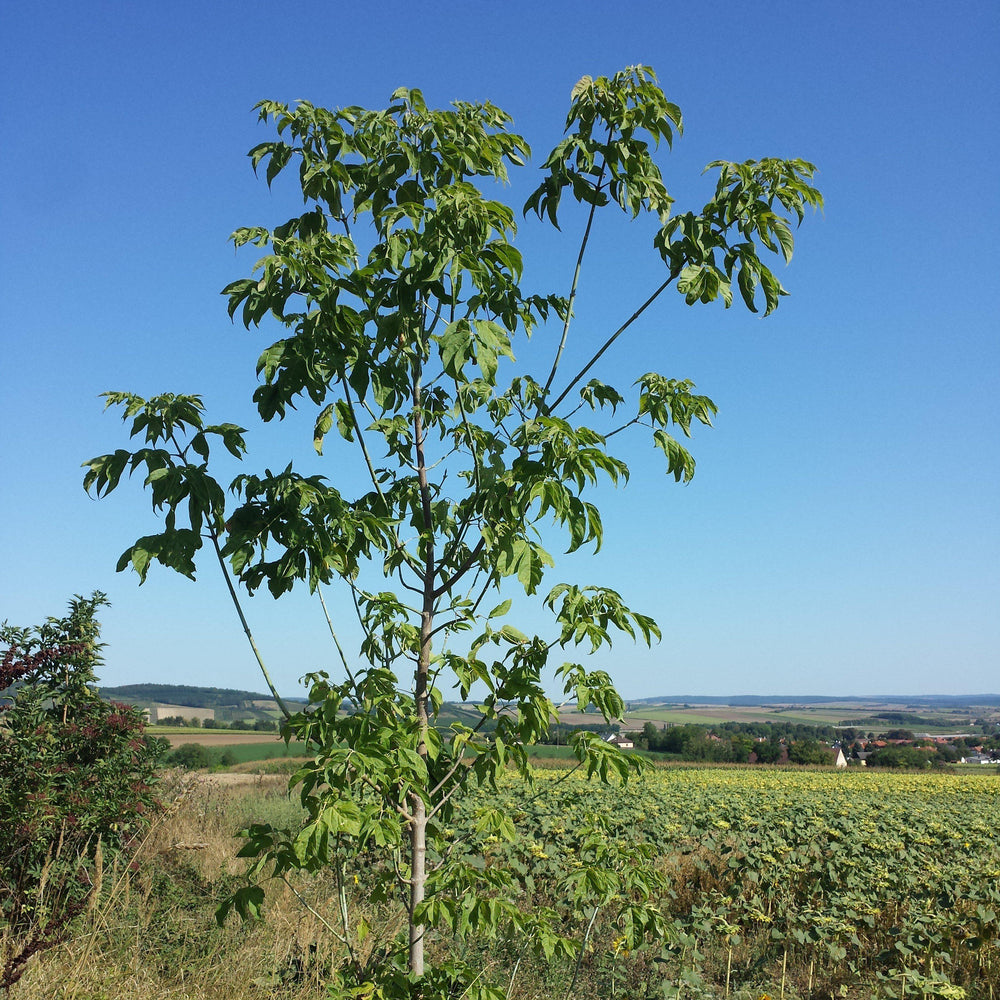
{"points": [[680, 462], [781, 229], [456, 348], [747, 280], [501, 609], [322, 427], [247, 901], [513, 635], [396, 290]]}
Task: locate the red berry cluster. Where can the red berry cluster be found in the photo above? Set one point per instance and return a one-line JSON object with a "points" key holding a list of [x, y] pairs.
{"points": [[16, 666]]}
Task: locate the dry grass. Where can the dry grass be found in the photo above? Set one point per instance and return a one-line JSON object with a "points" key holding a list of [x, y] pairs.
{"points": [[150, 932]]}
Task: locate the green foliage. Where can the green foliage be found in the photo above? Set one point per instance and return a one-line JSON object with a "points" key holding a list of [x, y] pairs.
{"points": [[908, 718], [448, 980], [191, 756], [898, 756], [809, 752], [398, 295], [194, 756], [768, 752], [78, 779]]}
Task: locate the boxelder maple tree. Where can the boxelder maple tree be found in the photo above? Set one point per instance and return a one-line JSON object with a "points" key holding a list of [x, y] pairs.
{"points": [[398, 291]]}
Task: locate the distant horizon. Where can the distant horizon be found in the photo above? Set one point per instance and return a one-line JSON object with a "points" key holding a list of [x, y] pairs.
{"points": [[982, 698], [821, 697]]}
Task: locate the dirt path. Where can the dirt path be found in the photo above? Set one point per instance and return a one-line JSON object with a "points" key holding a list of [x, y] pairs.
{"points": [[216, 739]]}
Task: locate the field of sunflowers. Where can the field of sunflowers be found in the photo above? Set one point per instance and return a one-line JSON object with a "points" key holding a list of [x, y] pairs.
{"points": [[779, 883]]}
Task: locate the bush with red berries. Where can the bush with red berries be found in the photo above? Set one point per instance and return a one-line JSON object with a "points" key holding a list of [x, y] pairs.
{"points": [[77, 779]]}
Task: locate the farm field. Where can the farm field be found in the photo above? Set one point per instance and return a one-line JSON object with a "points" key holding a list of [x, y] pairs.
{"points": [[795, 884], [861, 884], [216, 738], [245, 752], [249, 753], [957, 721], [708, 714]]}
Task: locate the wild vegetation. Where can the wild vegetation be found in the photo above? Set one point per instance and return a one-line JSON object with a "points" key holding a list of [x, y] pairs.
{"points": [[807, 885], [686, 882], [77, 781]]}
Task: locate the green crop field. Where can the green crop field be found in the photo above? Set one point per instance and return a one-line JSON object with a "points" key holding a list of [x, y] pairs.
{"points": [[707, 715], [246, 752], [842, 884], [243, 753]]}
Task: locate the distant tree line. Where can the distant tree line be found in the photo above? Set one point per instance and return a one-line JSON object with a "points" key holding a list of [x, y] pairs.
{"points": [[770, 742], [193, 756], [784, 730], [249, 725], [900, 718], [923, 753]]}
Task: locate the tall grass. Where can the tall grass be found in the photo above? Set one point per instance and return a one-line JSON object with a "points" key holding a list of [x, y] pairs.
{"points": [[150, 930]]}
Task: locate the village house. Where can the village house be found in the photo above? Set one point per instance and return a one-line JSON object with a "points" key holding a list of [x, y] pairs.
{"points": [[624, 741]]}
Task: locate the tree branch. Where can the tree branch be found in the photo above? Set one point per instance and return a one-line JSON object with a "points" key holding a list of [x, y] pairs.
{"points": [[333, 635], [246, 627], [576, 281], [593, 361], [469, 562]]}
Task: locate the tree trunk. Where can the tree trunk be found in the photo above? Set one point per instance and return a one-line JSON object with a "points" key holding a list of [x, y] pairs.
{"points": [[418, 825], [418, 878], [418, 808]]}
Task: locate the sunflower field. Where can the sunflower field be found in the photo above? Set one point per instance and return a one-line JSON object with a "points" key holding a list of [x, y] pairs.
{"points": [[766, 883]]}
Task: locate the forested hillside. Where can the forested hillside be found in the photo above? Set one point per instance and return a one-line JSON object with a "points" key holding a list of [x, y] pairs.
{"points": [[184, 694]]}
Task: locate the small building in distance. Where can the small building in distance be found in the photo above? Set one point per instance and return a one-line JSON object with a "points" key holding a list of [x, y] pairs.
{"points": [[622, 740], [158, 712]]}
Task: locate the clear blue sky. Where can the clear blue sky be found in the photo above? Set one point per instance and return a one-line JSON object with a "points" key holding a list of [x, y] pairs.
{"points": [[841, 535]]}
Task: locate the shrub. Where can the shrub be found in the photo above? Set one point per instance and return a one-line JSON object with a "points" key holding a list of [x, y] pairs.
{"points": [[191, 756], [79, 778]]}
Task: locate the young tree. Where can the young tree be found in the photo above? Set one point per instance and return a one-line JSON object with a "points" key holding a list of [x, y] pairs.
{"points": [[398, 290]]}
